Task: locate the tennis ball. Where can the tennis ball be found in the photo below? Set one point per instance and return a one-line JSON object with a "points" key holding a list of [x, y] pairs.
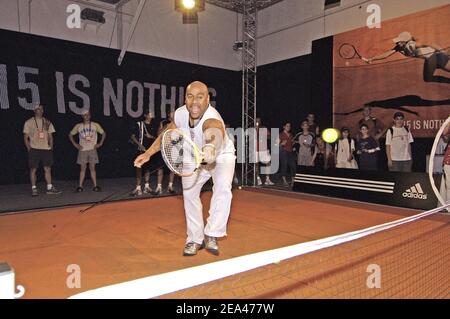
{"points": [[277, 262], [330, 135], [240, 187]]}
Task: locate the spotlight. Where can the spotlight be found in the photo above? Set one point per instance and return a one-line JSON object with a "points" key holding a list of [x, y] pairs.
{"points": [[188, 4], [189, 9]]}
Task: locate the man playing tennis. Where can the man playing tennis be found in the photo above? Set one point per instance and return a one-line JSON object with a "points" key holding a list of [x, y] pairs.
{"points": [[199, 120]]}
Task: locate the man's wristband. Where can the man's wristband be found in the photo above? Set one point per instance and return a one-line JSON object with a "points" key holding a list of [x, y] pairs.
{"points": [[209, 145]]}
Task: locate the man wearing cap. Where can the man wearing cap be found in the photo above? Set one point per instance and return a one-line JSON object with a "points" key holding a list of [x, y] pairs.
{"points": [[435, 57], [87, 147], [38, 137], [398, 145]]}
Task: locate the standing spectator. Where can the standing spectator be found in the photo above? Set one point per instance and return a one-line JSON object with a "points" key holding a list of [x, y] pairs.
{"points": [[287, 156], [446, 164], [367, 148], [375, 126], [398, 145], [232, 137], [322, 156], [143, 135], [38, 137], [262, 151], [87, 148], [313, 126], [306, 146], [159, 162], [345, 148]]}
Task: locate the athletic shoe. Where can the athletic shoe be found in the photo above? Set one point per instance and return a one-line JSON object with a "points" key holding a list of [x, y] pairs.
{"points": [[269, 182], [79, 189], [34, 192], [147, 190], [171, 190], [192, 248], [157, 191], [97, 189], [259, 181], [53, 191], [211, 245], [136, 192]]}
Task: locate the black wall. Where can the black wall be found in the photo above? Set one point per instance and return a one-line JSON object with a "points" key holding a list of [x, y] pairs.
{"points": [[286, 91], [94, 63]]}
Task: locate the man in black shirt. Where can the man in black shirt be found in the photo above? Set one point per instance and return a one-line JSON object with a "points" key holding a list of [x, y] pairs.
{"points": [[143, 135]]}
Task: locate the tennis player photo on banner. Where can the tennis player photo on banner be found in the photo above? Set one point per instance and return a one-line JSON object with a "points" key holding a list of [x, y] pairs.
{"points": [[400, 67]]}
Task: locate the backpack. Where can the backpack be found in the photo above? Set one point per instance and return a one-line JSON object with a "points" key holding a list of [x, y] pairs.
{"points": [[392, 130]]}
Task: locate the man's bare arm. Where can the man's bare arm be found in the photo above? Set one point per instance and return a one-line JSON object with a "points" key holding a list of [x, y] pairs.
{"points": [[26, 140], [214, 132], [156, 146]]}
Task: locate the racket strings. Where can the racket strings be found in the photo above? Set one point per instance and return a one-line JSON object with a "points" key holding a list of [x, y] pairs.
{"points": [[178, 153]]}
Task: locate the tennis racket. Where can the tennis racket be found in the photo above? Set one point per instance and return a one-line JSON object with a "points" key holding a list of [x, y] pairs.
{"points": [[181, 155], [348, 51]]}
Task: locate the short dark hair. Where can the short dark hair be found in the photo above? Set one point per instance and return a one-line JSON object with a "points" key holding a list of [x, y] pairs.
{"points": [[363, 125], [399, 114]]}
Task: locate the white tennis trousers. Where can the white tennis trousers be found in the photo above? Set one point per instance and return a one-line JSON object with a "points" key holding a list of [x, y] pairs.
{"points": [[222, 173]]}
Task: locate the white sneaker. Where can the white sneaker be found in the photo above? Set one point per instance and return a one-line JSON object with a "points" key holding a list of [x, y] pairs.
{"points": [[269, 182], [157, 191], [147, 190], [259, 181], [136, 192]]}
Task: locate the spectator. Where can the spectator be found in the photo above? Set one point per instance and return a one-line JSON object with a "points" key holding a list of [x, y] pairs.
{"points": [[287, 156], [262, 152], [159, 162], [322, 156], [345, 148], [398, 145], [446, 164], [38, 137], [232, 137], [87, 148], [143, 135], [306, 146], [375, 126], [367, 148], [313, 126]]}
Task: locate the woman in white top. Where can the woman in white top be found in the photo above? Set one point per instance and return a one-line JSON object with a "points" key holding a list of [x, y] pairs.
{"points": [[344, 148]]}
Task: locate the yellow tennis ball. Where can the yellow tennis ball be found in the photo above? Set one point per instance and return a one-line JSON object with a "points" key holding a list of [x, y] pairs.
{"points": [[240, 187], [330, 135]]}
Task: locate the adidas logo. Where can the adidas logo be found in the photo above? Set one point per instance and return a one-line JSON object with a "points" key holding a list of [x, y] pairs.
{"points": [[415, 192]]}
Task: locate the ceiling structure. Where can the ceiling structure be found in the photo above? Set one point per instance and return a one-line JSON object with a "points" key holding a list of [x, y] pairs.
{"points": [[236, 5], [233, 5]]}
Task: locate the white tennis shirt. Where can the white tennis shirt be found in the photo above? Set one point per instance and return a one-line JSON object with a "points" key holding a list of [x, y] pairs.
{"points": [[181, 118]]}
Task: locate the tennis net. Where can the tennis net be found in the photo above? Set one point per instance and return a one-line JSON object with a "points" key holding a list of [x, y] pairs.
{"points": [[407, 258]]}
